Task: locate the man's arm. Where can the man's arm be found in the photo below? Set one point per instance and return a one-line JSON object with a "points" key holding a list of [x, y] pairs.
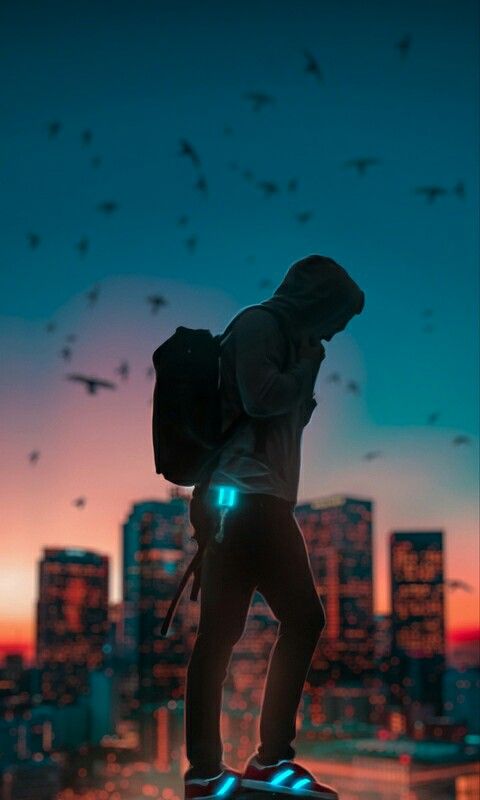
{"points": [[259, 345]]}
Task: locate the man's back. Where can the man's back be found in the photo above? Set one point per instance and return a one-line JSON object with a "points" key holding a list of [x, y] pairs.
{"points": [[280, 404]]}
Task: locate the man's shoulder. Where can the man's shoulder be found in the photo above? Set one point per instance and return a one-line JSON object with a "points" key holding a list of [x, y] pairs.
{"points": [[256, 318]]}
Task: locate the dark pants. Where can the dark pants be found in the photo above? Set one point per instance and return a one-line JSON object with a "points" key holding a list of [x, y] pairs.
{"points": [[263, 548]]}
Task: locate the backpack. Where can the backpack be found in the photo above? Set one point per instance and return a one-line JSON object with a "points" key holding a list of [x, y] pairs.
{"points": [[187, 418]]}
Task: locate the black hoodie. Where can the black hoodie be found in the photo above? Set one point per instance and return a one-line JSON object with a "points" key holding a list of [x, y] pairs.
{"points": [[316, 295]]}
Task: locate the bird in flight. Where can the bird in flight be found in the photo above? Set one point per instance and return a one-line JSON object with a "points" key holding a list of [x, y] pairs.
{"points": [[372, 454], [269, 187], [33, 240], [91, 384], [334, 377], [227, 130], [95, 161], [108, 206], [428, 328], [150, 372], [156, 301], [66, 353], [187, 150], [50, 327], [79, 502], [312, 66], [86, 136], [455, 583], [433, 417], [182, 221], [427, 312], [304, 216], [191, 242], [258, 99], [92, 295], [54, 129], [361, 163], [403, 46], [459, 189], [292, 185], [70, 337], [353, 386], [430, 192], [123, 370], [33, 456], [264, 282], [248, 175], [201, 184], [82, 246], [461, 440]]}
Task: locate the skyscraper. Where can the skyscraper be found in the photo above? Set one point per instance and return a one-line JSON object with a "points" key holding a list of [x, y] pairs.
{"points": [[72, 620], [338, 535], [418, 632]]}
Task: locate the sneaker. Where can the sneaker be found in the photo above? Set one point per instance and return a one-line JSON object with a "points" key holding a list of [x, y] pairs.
{"points": [[225, 784], [284, 777]]}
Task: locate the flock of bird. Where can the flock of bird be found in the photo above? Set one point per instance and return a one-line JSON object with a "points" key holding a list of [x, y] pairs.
{"points": [[258, 101]]}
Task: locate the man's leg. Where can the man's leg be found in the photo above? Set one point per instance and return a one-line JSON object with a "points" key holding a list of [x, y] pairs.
{"points": [[226, 589], [288, 586]]}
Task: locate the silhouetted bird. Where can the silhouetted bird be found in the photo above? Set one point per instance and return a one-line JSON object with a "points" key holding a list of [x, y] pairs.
{"points": [[269, 187], [292, 185], [258, 99], [186, 149], [79, 502], [248, 175], [403, 45], [33, 240], [54, 129], [86, 136], [156, 301], [264, 282], [304, 216], [191, 243], [428, 328], [33, 456], [372, 454], [433, 417], [92, 295], [82, 246], [427, 312], [455, 583], [227, 130], [361, 164], [461, 440], [150, 372], [91, 384], [352, 386], [50, 327], [182, 221], [430, 192], [66, 353], [201, 184], [334, 377], [312, 66], [108, 207], [95, 161], [70, 337], [459, 189], [123, 370]]}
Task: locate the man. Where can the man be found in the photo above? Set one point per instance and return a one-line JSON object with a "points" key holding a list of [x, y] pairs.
{"points": [[256, 543]]}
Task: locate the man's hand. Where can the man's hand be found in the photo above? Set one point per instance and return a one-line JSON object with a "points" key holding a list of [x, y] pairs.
{"points": [[311, 348]]}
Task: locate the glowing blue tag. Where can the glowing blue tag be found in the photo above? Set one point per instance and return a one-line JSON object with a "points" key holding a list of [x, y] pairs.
{"points": [[227, 496]]}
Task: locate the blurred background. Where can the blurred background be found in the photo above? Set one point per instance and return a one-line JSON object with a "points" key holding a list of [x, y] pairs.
{"points": [[163, 164]]}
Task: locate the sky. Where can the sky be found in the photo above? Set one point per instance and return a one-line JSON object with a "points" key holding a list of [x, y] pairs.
{"points": [[145, 77]]}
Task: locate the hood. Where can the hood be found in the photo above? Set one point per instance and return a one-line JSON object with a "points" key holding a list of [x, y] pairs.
{"points": [[317, 294]]}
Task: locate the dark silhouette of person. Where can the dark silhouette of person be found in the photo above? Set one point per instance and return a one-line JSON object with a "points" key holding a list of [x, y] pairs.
{"points": [[255, 543]]}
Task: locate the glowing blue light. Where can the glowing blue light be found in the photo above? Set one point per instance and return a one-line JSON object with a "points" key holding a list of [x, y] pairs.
{"points": [[227, 496], [300, 783], [280, 776], [225, 786]]}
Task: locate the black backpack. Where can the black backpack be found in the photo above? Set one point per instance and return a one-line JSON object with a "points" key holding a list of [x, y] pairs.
{"points": [[186, 417]]}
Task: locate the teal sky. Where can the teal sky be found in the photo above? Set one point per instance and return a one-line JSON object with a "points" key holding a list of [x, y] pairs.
{"points": [[143, 75]]}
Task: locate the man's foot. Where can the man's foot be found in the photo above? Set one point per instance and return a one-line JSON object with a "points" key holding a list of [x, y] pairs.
{"points": [[225, 784], [285, 777]]}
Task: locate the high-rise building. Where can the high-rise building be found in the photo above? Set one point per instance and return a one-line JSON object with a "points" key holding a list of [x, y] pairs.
{"points": [[72, 620], [338, 535], [155, 547], [418, 631]]}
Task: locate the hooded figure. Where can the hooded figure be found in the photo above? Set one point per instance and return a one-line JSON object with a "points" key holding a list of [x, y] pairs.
{"points": [[316, 297]]}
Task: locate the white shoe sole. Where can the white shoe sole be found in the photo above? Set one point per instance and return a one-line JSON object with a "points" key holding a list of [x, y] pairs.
{"points": [[263, 786]]}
